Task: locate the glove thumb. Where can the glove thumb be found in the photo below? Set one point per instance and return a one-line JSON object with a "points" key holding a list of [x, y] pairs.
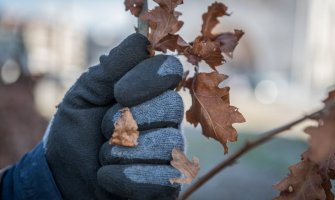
{"points": [[96, 86]]}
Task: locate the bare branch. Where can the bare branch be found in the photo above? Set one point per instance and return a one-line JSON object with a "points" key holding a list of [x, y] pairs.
{"points": [[250, 145]]}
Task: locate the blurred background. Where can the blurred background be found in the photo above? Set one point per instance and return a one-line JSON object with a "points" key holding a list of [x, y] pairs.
{"points": [[282, 68]]}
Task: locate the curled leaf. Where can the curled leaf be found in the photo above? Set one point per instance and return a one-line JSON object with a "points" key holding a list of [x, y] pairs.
{"points": [[208, 46], [125, 130], [164, 23], [186, 167], [228, 41], [210, 18]]}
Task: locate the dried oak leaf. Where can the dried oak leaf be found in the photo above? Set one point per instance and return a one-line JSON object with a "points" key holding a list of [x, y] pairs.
{"points": [[171, 42], [163, 20], [186, 167], [327, 186], [322, 137], [327, 167], [206, 50], [321, 145], [322, 140], [304, 182], [135, 6], [327, 172], [312, 176], [209, 47], [210, 18], [228, 41], [211, 108], [125, 130], [330, 98]]}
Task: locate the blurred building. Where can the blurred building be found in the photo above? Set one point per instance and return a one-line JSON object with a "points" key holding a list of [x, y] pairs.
{"points": [[54, 47], [314, 43], [41, 46], [34, 54]]}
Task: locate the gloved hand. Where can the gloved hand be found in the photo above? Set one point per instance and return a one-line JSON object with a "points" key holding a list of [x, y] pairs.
{"points": [[83, 164]]}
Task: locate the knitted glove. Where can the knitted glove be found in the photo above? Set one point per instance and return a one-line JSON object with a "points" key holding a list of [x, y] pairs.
{"points": [[83, 164]]}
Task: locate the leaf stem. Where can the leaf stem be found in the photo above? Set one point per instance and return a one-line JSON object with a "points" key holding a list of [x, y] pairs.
{"points": [[143, 26], [250, 145]]}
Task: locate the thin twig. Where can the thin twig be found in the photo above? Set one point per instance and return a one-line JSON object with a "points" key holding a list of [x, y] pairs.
{"points": [[250, 145], [143, 26]]}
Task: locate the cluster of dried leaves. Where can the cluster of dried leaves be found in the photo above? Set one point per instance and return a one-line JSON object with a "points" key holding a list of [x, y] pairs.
{"points": [[210, 104], [164, 23], [311, 178]]}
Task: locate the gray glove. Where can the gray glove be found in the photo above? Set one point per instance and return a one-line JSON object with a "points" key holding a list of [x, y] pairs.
{"points": [[84, 165]]}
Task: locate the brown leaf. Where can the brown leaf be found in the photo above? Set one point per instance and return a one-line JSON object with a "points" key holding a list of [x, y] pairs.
{"points": [[204, 49], [327, 172], [326, 169], [186, 167], [164, 23], [172, 42], [328, 166], [135, 6], [330, 98], [209, 47], [163, 20], [322, 137], [322, 140], [211, 108], [125, 130], [327, 186], [169, 4], [304, 182], [210, 18], [321, 145], [228, 41], [312, 176]]}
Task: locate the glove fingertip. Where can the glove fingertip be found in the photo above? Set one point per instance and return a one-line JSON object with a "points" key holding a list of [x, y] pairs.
{"points": [[148, 79]]}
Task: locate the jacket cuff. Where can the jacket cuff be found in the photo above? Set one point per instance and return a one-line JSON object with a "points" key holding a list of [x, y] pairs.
{"points": [[30, 178], [2, 171]]}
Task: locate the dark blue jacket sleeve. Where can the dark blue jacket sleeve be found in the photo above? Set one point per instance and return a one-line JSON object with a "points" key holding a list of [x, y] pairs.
{"points": [[30, 178]]}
